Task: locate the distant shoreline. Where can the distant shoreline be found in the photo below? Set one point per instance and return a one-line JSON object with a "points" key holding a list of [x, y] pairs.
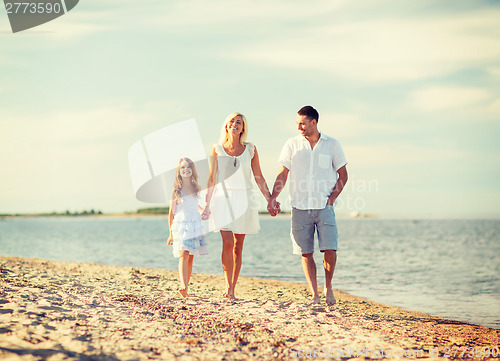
{"points": [[149, 215], [414, 218]]}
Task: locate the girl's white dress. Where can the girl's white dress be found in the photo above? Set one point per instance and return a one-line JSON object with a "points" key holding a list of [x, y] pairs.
{"points": [[233, 206], [187, 229]]}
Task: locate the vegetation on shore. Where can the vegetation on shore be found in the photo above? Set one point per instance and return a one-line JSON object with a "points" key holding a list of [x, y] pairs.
{"points": [[153, 210], [92, 212], [68, 213]]}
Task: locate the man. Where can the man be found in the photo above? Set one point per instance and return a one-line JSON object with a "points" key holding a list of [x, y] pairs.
{"points": [[317, 168]]}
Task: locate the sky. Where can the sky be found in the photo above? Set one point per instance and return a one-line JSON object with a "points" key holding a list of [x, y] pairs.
{"points": [[410, 89]]}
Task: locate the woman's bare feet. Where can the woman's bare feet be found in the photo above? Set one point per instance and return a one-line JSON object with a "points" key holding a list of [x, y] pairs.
{"points": [[183, 292], [330, 298], [315, 301], [229, 294]]}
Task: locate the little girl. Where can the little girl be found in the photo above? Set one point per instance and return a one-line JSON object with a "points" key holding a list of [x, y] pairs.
{"points": [[184, 220]]}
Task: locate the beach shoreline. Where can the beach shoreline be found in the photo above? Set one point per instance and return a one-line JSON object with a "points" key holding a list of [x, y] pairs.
{"points": [[82, 311]]}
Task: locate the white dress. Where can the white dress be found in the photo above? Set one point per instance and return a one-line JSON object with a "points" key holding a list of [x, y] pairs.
{"points": [[233, 207], [187, 229]]}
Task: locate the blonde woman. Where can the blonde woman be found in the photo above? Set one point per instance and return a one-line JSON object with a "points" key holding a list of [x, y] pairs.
{"points": [[230, 203]]}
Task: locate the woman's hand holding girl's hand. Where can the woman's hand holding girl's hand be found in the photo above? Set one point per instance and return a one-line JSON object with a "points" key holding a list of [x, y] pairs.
{"points": [[206, 214]]}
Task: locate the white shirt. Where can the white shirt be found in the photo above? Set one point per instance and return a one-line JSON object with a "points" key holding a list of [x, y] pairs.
{"points": [[313, 172]]}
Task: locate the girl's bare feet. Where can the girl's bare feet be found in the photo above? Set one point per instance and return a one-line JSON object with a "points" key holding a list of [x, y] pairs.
{"points": [[183, 292]]}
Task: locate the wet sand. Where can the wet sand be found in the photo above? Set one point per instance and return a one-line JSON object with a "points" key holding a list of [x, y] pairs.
{"points": [[79, 311]]}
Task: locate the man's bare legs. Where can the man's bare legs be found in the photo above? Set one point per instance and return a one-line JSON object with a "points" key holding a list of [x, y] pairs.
{"points": [[329, 261], [185, 270], [309, 267], [232, 250]]}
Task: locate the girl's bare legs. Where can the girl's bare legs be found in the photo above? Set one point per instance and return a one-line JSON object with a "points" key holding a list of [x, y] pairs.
{"points": [[184, 273], [190, 267], [232, 249]]}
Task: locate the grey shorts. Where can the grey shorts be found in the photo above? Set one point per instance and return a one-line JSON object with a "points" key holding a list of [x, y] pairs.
{"points": [[306, 222]]}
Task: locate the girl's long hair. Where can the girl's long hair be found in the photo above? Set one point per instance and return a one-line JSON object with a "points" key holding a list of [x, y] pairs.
{"points": [[176, 194], [223, 131]]}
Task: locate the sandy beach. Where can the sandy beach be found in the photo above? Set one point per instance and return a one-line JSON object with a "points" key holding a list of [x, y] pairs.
{"points": [[53, 310]]}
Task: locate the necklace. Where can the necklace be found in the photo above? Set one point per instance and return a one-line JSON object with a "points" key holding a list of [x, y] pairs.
{"points": [[235, 163]]}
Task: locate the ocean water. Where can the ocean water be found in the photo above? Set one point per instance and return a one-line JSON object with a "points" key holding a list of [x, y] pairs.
{"points": [[446, 268]]}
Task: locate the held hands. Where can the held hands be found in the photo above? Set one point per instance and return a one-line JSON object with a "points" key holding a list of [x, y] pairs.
{"points": [[206, 213], [273, 207], [170, 240]]}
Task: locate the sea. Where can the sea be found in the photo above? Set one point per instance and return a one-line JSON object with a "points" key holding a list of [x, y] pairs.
{"points": [[448, 268]]}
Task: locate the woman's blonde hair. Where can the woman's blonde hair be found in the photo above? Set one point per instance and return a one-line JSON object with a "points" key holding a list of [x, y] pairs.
{"points": [[178, 179], [223, 131]]}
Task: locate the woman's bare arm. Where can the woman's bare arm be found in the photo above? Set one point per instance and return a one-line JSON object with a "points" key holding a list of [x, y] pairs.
{"points": [[211, 181], [259, 178]]}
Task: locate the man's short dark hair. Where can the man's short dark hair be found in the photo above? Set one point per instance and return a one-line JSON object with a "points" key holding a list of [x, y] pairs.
{"points": [[309, 112]]}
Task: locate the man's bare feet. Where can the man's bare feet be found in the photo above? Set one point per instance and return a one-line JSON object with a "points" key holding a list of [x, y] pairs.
{"points": [[330, 298], [183, 292]]}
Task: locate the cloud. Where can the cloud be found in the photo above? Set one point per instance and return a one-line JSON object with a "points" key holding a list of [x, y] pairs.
{"points": [[494, 108], [348, 125], [184, 15], [66, 127], [440, 98], [407, 48], [399, 154], [73, 25], [95, 124], [72, 30], [494, 71], [241, 15]]}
